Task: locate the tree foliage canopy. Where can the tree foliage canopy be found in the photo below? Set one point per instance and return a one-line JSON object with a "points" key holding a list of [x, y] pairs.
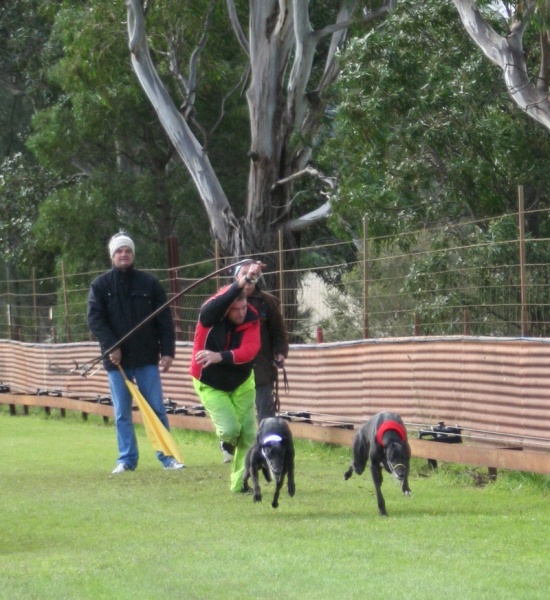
{"points": [[424, 132]]}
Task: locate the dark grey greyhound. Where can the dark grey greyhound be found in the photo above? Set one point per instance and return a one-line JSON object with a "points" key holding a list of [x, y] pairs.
{"points": [[273, 454], [383, 439]]}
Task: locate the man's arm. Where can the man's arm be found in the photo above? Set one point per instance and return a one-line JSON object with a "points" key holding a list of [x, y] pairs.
{"points": [[214, 309], [97, 319]]}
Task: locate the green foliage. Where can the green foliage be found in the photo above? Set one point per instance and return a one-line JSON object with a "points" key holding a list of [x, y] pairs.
{"points": [[424, 131], [71, 530]]}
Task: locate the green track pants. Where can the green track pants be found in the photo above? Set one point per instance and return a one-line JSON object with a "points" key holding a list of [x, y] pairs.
{"points": [[234, 417]]}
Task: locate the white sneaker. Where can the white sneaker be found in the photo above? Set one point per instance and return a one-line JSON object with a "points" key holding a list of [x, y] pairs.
{"points": [[227, 456], [120, 468], [174, 465]]}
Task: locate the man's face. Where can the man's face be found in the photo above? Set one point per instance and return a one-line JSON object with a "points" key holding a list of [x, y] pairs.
{"points": [[237, 311], [123, 258]]}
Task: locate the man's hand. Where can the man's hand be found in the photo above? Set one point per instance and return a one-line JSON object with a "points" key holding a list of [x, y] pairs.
{"points": [[116, 356], [249, 273], [207, 357], [166, 363]]}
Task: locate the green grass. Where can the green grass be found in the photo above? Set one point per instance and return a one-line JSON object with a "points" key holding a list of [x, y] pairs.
{"points": [[70, 530]]}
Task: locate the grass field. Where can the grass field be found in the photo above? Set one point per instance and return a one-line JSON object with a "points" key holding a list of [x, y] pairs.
{"points": [[69, 530]]}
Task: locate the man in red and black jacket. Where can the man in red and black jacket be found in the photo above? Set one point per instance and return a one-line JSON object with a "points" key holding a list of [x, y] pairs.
{"points": [[227, 340]]}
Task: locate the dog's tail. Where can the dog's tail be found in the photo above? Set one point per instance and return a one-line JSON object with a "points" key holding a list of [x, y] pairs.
{"points": [[361, 449]]}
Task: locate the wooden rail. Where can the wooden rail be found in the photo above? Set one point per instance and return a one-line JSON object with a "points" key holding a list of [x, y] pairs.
{"points": [[492, 457]]}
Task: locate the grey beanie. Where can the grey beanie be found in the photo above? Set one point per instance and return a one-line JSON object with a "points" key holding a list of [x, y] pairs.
{"points": [[118, 240]]}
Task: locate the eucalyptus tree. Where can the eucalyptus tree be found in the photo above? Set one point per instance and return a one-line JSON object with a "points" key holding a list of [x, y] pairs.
{"points": [[425, 141], [99, 135], [428, 136], [515, 36], [289, 52]]}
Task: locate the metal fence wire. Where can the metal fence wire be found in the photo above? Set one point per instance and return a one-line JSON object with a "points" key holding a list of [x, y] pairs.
{"points": [[479, 278]]}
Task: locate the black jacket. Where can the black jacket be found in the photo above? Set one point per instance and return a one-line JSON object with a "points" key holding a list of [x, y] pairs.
{"points": [[120, 300], [273, 333]]}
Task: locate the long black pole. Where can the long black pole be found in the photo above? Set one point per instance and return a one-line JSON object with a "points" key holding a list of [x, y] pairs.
{"points": [[87, 366]]}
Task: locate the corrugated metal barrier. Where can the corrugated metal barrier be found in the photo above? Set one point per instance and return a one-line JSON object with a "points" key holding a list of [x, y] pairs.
{"points": [[497, 390]]}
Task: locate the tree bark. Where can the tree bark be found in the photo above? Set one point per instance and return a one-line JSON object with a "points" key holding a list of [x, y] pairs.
{"points": [[507, 52]]}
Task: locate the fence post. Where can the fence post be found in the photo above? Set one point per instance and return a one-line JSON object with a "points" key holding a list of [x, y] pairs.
{"points": [[416, 324], [34, 309], [521, 224], [466, 318], [53, 331], [173, 263], [66, 303], [8, 303], [365, 279], [281, 293]]}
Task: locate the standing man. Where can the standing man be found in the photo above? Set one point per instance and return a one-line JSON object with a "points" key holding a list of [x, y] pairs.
{"points": [[274, 341], [119, 300], [227, 339]]}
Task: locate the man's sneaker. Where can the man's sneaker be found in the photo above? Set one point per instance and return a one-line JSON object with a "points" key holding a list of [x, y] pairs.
{"points": [[120, 468], [228, 451], [173, 465]]}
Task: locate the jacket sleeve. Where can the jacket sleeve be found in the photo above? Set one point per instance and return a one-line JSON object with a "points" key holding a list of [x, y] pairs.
{"points": [[248, 348], [277, 331], [98, 321], [165, 324], [215, 308]]}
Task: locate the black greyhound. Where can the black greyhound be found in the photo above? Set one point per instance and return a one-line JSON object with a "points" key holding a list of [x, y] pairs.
{"points": [[383, 439], [273, 454]]}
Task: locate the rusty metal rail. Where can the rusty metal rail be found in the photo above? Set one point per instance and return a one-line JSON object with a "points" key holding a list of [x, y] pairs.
{"points": [[497, 390]]}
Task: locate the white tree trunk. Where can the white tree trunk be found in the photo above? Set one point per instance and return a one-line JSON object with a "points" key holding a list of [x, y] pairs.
{"points": [[281, 47], [220, 214], [508, 54]]}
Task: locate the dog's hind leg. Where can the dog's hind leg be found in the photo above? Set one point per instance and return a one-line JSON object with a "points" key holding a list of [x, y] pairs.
{"points": [[376, 472], [246, 477]]}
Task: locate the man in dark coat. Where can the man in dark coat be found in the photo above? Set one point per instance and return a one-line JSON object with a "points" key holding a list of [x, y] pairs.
{"points": [[274, 342], [119, 300]]}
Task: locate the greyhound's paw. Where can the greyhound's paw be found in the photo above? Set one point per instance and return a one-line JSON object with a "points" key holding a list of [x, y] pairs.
{"points": [[275, 504], [407, 493], [348, 473], [257, 497], [291, 491]]}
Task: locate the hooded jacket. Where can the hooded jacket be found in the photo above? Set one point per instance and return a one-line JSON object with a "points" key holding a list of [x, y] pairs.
{"points": [[273, 335]]}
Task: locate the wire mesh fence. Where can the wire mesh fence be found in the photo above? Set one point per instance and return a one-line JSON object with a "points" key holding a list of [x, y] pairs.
{"points": [[487, 278]]}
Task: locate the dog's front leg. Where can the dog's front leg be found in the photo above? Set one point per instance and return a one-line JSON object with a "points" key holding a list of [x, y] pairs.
{"points": [[376, 472], [278, 487], [405, 485], [291, 485], [255, 472]]}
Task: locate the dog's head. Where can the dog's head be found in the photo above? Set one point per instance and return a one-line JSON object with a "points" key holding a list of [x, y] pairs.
{"points": [[274, 451], [397, 458]]}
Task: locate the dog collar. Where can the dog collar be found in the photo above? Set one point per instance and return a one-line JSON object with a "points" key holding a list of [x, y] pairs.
{"points": [[272, 438], [391, 426]]}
